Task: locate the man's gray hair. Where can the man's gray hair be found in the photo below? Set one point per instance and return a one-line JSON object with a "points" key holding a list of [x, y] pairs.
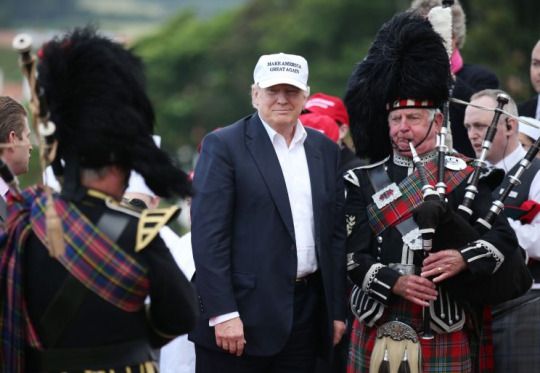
{"points": [[432, 113]]}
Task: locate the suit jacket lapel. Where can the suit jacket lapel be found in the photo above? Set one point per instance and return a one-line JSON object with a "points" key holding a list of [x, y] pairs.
{"points": [[316, 169], [261, 148]]}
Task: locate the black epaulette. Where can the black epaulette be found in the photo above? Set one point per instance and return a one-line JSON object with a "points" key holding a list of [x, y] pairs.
{"points": [[351, 177], [150, 220], [493, 177]]}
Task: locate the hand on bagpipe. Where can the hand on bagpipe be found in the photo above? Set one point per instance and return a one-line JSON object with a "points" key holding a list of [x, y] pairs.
{"points": [[453, 230]]}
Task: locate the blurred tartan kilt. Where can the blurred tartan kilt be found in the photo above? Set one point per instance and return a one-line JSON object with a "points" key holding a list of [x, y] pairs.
{"points": [[449, 352], [516, 334]]}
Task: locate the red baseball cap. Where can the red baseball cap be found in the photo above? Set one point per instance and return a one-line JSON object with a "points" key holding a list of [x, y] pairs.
{"points": [[332, 106], [321, 123]]}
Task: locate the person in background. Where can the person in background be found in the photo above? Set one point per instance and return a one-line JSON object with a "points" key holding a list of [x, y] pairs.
{"points": [[516, 323], [16, 145], [268, 234], [322, 123], [333, 107], [531, 107], [468, 78], [77, 266], [528, 134]]}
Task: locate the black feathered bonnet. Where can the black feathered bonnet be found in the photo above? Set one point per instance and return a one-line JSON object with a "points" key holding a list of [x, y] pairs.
{"points": [[95, 90], [406, 66]]}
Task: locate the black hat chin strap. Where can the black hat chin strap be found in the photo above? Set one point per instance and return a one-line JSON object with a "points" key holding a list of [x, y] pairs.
{"points": [[426, 135]]}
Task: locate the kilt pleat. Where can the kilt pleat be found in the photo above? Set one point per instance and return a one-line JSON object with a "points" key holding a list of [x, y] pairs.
{"points": [[445, 353]]}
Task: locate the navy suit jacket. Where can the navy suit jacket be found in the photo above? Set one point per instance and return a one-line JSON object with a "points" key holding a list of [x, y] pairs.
{"points": [[528, 108], [470, 79], [243, 235]]}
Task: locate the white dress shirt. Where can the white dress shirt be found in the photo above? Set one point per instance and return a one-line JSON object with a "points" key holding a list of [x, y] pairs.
{"points": [[528, 234], [538, 108], [3, 188], [293, 162]]}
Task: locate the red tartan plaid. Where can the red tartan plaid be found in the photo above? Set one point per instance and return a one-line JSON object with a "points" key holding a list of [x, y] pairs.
{"points": [[486, 357], [411, 189], [91, 257], [445, 353]]}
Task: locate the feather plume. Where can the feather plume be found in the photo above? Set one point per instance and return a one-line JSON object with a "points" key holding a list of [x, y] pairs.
{"points": [[97, 98], [407, 60]]}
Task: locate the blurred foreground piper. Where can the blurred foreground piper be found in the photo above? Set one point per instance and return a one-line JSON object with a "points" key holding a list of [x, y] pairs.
{"points": [[77, 266]]}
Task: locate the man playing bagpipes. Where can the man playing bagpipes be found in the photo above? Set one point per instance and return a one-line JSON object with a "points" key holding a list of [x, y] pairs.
{"points": [[77, 267], [393, 98], [516, 324]]}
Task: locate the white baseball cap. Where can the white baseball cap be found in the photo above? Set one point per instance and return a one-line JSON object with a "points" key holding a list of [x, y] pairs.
{"points": [[281, 68], [530, 131]]}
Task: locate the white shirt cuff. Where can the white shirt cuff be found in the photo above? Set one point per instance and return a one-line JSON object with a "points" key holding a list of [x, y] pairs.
{"points": [[222, 318]]}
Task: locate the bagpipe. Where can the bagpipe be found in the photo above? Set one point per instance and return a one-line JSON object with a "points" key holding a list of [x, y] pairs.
{"points": [[446, 228], [47, 143], [441, 227]]}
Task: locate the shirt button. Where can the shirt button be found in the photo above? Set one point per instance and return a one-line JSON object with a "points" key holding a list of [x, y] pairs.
{"points": [[379, 239]]}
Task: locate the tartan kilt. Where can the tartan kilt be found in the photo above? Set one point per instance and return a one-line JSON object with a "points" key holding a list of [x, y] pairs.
{"points": [[516, 334], [445, 353]]}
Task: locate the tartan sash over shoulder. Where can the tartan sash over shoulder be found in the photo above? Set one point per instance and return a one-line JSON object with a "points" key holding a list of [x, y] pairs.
{"points": [[411, 190], [90, 256]]}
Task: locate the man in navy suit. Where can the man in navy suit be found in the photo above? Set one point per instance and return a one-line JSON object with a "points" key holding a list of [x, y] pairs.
{"points": [[268, 234], [531, 108]]}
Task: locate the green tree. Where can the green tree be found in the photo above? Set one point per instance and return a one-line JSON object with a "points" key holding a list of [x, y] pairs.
{"points": [[200, 71], [501, 35]]}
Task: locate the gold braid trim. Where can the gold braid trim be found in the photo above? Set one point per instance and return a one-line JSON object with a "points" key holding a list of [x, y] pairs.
{"points": [[150, 223]]}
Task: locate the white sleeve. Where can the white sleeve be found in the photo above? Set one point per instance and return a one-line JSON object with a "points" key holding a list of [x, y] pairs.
{"points": [[222, 318], [529, 234], [181, 250]]}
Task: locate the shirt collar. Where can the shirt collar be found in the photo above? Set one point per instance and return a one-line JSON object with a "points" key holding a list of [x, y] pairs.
{"points": [[511, 159], [3, 188], [402, 161], [299, 136]]}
